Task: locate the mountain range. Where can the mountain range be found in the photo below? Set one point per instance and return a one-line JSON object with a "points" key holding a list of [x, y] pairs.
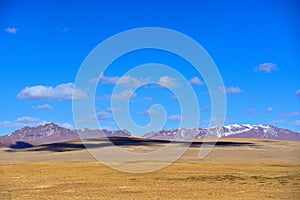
{"points": [[52, 133], [230, 131]]}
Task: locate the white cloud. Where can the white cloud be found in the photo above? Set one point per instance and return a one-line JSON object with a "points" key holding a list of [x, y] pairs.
{"points": [[168, 82], [124, 95], [108, 79], [266, 68], [297, 93], [11, 30], [60, 92], [251, 111], [43, 107], [130, 81], [127, 81], [269, 110], [230, 90], [196, 81], [175, 117]]}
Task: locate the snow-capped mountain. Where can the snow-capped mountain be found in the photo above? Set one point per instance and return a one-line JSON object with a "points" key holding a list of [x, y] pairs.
{"points": [[231, 131], [261, 131]]}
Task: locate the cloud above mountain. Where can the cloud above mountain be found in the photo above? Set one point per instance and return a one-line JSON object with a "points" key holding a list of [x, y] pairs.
{"points": [[175, 118], [29, 121], [251, 111]]}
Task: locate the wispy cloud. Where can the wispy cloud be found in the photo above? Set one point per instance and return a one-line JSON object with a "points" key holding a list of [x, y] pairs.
{"points": [[63, 29], [296, 123], [284, 122], [102, 115], [175, 118], [173, 96], [43, 107], [266, 68], [99, 116], [11, 30], [112, 109], [297, 93], [206, 109], [148, 98], [22, 121], [149, 112], [127, 81], [251, 111], [124, 95], [269, 110], [30, 121], [230, 90], [168, 82], [291, 114], [278, 122], [60, 92], [196, 81]]}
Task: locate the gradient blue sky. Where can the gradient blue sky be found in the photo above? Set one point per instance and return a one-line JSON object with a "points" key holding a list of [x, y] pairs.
{"points": [[255, 45]]}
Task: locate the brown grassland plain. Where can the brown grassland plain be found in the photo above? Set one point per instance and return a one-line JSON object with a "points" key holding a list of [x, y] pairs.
{"points": [[263, 170]]}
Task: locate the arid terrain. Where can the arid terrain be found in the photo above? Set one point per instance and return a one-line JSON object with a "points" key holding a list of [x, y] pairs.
{"points": [[235, 169]]}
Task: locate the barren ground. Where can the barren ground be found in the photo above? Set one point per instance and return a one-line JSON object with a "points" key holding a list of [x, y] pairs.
{"points": [[235, 169]]}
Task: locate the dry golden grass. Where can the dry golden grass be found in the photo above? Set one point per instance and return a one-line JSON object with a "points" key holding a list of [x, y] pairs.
{"points": [[55, 180], [257, 169]]}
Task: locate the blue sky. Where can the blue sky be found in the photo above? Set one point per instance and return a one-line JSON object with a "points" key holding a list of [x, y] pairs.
{"points": [[255, 45]]}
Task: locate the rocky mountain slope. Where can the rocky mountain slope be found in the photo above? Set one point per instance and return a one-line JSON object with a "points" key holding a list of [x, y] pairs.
{"points": [[52, 133]]}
